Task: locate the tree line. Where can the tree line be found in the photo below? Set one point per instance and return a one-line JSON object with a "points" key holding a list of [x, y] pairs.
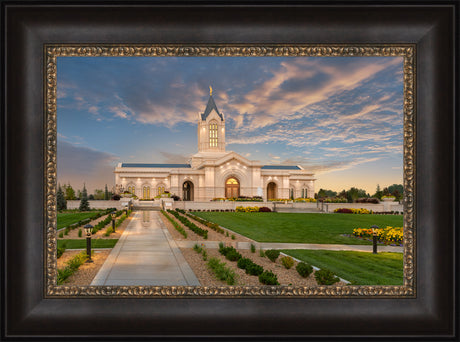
{"points": [[67, 193], [353, 194]]}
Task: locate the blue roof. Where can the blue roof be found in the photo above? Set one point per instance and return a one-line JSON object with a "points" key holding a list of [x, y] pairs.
{"points": [[156, 165], [209, 107], [280, 167]]}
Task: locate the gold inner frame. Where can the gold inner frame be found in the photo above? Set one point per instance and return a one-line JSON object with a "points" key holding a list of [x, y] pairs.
{"points": [[407, 51]]}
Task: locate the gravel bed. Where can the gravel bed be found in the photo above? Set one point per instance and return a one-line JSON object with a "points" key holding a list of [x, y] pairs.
{"points": [[87, 271], [73, 234], [207, 278]]}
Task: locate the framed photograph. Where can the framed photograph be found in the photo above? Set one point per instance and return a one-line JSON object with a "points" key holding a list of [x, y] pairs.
{"points": [[275, 96]]}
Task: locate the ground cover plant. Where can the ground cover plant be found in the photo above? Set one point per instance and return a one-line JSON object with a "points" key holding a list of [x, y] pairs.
{"points": [[176, 225], [212, 225], [81, 243], [72, 266], [300, 227], [193, 227], [360, 268], [222, 271]]}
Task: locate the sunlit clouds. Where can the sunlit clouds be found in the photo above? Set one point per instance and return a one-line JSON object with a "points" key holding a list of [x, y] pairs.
{"points": [[332, 115]]}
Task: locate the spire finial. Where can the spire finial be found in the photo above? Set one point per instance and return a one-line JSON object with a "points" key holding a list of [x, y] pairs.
{"points": [[210, 91]]}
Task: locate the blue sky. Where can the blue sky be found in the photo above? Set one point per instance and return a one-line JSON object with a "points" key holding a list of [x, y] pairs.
{"points": [[341, 117]]}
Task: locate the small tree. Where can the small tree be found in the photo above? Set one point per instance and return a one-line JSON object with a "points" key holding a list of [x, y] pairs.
{"points": [[61, 202], [69, 192], [84, 204], [106, 193]]}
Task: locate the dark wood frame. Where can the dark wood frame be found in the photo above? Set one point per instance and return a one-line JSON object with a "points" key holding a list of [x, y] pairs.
{"points": [[27, 26]]}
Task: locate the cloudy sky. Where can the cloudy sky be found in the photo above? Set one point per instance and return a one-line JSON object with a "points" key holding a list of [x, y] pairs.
{"points": [[340, 117]]}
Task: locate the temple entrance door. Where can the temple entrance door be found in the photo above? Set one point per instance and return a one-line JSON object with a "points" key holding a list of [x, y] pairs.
{"points": [[271, 190], [232, 188], [187, 189]]}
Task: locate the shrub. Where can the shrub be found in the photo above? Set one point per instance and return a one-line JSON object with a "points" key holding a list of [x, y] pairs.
{"points": [[287, 262], [233, 255], [66, 231], [268, 278], [243, 263], [80, 233], [343, 211], [221, 271], [264, 210], [61, 235], [304, 269], [272, 254], [233, 237], [71, 268], [254, 269], [326, 277], [261, 253], [108, 231], [253, 248]]}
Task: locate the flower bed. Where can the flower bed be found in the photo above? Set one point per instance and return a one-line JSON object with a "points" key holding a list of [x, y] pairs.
{"points": [[388, 235], [305, 200], [241, 209], [352, 211]]}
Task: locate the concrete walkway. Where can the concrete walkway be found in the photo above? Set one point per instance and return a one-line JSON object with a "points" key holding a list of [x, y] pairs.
{"points": [[279, 245], [145, 255]]}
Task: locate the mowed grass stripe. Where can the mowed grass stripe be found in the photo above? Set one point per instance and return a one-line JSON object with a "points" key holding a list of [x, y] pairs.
{"points": [[81, 243], [360, 268], [300, 227], [66, 219]]}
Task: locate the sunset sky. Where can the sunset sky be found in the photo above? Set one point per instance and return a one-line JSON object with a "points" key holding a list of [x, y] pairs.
{"points": [[340, 117]]}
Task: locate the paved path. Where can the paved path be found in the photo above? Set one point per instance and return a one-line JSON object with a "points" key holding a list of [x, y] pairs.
{"points": [[146, 254], [278, 245]]}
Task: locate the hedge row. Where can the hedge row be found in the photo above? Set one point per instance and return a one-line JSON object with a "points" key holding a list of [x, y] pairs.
{"points": [[193, 227], [175, 224], [105, 222], [209, 224], [86, 220]]}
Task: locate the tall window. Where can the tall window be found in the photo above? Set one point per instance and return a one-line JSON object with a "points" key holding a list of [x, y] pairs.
{"points": [[146, 192], [131, 189], [213, 134], [161, 190]]}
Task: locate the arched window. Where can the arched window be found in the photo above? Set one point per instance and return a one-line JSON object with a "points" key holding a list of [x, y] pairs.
{"points": [[161, 189], [131, 189], [213, 134], [146, 192]]}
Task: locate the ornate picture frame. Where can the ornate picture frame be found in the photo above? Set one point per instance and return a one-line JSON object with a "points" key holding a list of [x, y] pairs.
{"points": [[34, 307], [408, 289]]}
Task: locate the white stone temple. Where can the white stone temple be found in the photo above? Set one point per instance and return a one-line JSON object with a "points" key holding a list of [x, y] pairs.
{"points": [[214, 172]]}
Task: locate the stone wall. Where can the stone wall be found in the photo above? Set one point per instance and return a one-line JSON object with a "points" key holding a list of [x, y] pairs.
{"points": [[210, 205], [383, 206], [96, 204]]}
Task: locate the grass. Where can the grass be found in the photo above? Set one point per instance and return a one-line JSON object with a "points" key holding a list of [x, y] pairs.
{"points": [[300, 227], [66, 219], [360, 268], [95, 243]]}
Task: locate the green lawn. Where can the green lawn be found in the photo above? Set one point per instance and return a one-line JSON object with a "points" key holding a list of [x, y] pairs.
{"points": [[95, 243], [66, 219], [300, 227], [360, 268]]}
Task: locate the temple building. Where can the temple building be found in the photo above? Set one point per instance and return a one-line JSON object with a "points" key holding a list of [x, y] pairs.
{"points": [[214, 172]]}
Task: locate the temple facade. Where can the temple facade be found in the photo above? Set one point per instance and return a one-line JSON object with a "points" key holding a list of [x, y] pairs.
{"points": [[214, 172]]}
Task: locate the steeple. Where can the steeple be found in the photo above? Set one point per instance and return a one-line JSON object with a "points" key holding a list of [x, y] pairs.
{"points": [[211, 128], [210, 107]]}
